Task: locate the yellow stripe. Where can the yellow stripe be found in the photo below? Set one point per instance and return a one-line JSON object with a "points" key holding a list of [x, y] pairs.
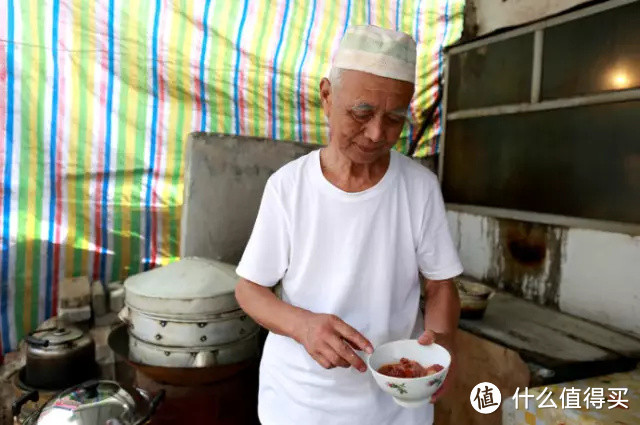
{"points": [[92, 99], [130, 55], [254, 20], [175, 80], [189, 107], [222, 79]]}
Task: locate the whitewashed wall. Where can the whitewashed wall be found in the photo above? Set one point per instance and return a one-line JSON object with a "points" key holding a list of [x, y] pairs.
{"points": [[491, 15], [596, 274]]}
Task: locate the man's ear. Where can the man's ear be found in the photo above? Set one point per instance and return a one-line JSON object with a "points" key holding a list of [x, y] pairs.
{"points": [[325, 96]]}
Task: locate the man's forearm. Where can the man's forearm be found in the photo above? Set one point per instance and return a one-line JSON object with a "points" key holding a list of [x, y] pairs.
{"points": [[442, 306], [262, 305]]}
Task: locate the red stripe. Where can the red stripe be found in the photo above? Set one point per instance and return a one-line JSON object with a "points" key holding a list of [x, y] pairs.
{"points": [[242, 78]]}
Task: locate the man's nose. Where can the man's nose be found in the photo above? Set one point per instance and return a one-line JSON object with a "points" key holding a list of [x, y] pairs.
{"points": [[374, 130]]}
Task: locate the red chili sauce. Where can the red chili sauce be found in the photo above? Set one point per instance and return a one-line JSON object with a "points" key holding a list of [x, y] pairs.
{"points": [[406, 368]]}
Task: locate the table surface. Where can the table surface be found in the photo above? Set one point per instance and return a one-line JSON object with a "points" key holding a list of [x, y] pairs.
{"points": [[558, 347], [583, 411]]}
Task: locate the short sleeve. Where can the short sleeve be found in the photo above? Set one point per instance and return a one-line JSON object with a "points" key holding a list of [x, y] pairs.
{"points": [[266, 256], [437, 256]]}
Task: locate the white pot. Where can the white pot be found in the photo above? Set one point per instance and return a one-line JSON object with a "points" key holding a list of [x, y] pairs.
{"points": [[217, 355], [221, 328]]}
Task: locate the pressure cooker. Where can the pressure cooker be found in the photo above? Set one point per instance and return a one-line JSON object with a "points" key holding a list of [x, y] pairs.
{"points": [[97, 402]]}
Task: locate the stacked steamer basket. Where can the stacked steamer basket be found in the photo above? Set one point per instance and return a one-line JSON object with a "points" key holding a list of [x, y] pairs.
{"points": [[185, 315]]}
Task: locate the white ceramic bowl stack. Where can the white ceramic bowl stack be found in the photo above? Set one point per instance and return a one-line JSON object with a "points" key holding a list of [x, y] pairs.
{"points": [[185, 315]]}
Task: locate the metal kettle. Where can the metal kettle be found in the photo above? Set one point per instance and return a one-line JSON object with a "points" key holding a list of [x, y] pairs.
{"points": [[59, 357]]}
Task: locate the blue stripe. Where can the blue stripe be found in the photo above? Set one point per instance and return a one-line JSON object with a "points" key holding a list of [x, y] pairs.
{"points": [[152, 149], [398, 15], [440, 65], [369, 12], [203, 51], [237, 69], [6, 198], [275, 72], [52, 156], [107, 151], [304, 56], [347, 18]]}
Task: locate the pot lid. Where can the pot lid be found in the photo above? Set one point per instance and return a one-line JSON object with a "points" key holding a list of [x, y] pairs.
{"points": [[189, 287], [91, 403], [57, 336]]}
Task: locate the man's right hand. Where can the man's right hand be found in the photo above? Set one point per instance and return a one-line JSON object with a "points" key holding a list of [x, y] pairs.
{"points": [[329, 340]]}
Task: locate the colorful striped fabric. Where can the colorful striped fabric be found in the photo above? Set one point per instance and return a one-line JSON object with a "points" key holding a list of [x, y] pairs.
{"points": [[97, 98]]}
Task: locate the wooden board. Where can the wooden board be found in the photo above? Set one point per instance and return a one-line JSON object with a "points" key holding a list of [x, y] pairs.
{"points": [[479, 360], [559, 347]]}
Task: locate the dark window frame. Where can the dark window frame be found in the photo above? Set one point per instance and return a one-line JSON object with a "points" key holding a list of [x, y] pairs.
{"points": [[536, 104]]}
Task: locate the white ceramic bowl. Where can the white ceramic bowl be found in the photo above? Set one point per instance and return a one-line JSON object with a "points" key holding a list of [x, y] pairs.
{"points": [[410, 392]]}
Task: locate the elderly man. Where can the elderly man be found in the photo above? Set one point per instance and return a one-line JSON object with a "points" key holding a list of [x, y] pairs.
{"points": [[350, 230]]}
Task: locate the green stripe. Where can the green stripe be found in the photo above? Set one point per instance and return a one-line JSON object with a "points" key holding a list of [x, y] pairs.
{"points": [[221, 79], [135, 263], [230, 32], [182, 62], [286, 90], [121, 168], [261, 59], [23, 179], [314, 90], [82, 209]]}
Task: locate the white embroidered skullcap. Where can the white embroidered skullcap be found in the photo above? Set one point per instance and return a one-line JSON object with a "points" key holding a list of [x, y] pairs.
{"points": [[378, 51]]}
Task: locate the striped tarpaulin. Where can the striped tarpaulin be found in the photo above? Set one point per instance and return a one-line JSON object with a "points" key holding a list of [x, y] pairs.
{"points": [[97, 98]]}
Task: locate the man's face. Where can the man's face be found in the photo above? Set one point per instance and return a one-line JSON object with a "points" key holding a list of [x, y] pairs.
{"points": [[366, 113]]}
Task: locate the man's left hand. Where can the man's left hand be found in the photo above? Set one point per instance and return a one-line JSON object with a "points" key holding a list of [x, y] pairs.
{"points": [[429, 337]]}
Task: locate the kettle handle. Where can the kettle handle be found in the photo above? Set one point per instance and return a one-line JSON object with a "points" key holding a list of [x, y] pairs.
{"points": [[153, 406], [16, 407], [38, 342]]}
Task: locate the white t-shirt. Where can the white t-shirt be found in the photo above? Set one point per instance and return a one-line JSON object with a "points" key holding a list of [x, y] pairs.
{"points": [[355, 255]]}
